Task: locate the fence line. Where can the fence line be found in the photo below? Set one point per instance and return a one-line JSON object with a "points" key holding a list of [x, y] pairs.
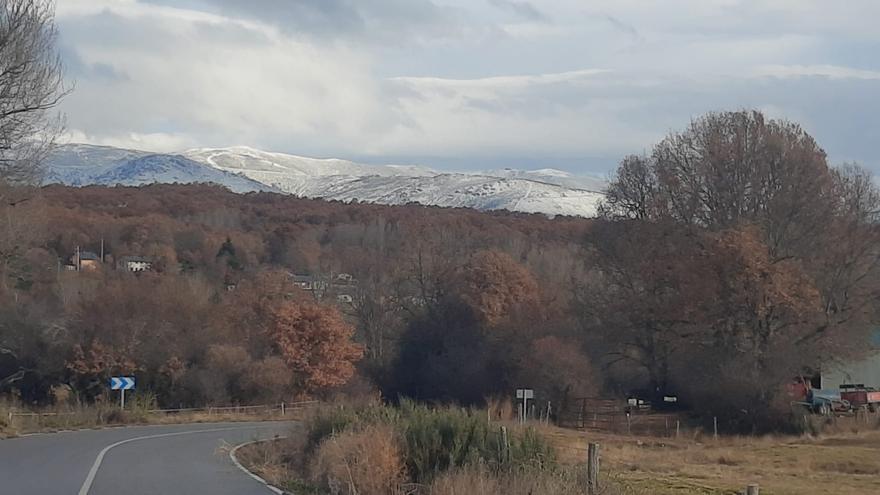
{"points": [[282, 407]]}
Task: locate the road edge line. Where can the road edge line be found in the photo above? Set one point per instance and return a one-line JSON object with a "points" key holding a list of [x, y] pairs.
{"points": [[248, 472], [90, 478]]}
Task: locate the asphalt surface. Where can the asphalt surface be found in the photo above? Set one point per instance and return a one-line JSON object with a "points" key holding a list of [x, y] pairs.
{"points": [[141, 460]]}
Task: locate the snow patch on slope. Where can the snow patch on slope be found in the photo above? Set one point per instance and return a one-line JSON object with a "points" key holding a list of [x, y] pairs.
{"points": [[81, 165], [242, 169]]}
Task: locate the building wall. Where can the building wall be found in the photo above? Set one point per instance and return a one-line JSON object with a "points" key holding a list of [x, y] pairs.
{"points": [[138, 266], [89, 265], [866, 371]]}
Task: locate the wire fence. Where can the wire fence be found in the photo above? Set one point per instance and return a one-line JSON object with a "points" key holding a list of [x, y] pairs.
{"points": [[614, 416], [281, 408]]}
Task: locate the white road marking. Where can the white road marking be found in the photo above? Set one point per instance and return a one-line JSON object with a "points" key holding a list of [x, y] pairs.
{"points": [[87, 484], [232, 456]]}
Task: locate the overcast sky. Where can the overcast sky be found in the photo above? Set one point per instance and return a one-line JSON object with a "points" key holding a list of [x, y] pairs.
{"points": [[465, 84]]}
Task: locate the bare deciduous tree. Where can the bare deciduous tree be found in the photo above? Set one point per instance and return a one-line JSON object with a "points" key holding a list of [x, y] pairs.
{"points": [[785, 248], [31, 85]]}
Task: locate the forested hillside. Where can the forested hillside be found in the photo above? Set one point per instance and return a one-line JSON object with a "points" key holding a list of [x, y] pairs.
{"points": [[727, 261], [218, 315]]}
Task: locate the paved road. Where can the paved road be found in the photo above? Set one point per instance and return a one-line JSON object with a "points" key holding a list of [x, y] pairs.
{"points": [[140, 460]]}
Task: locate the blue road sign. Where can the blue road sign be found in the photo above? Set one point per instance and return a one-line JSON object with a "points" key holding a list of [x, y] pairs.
{"points": [[122, 383]]}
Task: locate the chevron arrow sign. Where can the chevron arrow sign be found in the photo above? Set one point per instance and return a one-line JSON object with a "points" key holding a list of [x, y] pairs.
{"points": [[122, 383]]}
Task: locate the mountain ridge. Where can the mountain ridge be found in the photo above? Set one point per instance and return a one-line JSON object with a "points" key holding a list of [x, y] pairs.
{"points": [[245, 169]]}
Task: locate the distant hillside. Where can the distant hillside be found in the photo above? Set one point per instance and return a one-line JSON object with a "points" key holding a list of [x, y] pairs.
{"points": [[243, 169]]}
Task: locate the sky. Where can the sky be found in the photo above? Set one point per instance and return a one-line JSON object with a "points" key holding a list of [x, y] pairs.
{"points": [[465, 84]]}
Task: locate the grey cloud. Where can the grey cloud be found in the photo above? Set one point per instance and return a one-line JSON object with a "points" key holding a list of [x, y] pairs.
{"points": [[77, 69], [622, 26], [385, 21], [327, 89], [520, 8]]}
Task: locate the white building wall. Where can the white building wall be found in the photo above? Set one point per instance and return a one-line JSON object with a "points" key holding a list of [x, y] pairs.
{"points": [[866, 372]]}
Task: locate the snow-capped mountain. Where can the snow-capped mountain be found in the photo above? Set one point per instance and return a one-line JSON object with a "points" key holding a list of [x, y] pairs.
{"points": [[243, 158], [552, 176], [82, 165], [243, 169]]}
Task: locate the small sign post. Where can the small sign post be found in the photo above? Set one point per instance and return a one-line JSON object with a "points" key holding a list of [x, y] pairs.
{"points": [[525, 394], [122, 383]]}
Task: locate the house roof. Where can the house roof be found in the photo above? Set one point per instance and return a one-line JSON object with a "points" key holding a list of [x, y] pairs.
{"points": [[88, 256]]}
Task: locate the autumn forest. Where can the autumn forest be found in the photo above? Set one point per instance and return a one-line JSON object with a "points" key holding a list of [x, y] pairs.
{"points": [[727, 260]]}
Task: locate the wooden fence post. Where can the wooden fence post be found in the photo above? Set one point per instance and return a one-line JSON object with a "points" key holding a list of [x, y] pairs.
{"points": [[593, 469], [715, 426], [583, 413], [505, 446], [677, 427], [753, 490]]}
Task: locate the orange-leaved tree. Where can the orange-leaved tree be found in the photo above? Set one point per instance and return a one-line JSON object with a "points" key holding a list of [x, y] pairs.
{"points": [[316, 343], [493, 284]]}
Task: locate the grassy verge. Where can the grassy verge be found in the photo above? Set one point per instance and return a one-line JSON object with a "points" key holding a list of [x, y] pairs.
{"points": [[414, 450], [377, 450]]}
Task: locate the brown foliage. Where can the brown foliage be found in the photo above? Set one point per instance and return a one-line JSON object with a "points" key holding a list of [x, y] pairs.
{"points": [[559, 369], [268, 379], [97, 360], [494, 285], [367, 462], [316, 344]]}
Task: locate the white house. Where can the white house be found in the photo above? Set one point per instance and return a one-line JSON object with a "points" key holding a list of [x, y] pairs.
{"points": [[135, 264]]}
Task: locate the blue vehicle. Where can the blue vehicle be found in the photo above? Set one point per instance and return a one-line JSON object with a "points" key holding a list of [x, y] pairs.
{"points": [[826, 401]]}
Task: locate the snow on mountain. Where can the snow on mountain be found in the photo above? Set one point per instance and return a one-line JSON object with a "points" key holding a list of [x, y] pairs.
{"points": [[553, 176], [547, 191], [243, 158], [463, 190], [242, 169], [81, 165]]}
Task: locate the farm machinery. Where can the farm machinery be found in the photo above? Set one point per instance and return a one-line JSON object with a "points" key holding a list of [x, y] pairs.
{"points": [[825, 401]]}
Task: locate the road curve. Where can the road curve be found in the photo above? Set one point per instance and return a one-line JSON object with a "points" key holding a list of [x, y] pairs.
{"points": [[137, 460]]}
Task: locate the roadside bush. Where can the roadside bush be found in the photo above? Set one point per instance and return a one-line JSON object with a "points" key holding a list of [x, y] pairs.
{"points": [[325, 422], [366, 462], [438, 440], [529, 449], [434, 440]]}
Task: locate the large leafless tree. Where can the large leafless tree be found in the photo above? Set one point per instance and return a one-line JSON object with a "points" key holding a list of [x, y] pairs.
{"points": [[31, 86], [747, 193]]}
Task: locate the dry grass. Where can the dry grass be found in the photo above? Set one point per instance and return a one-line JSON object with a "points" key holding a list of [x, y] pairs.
{"points": [[89, 417], [844, 462], [478, 481], [841, 463], [279, 461], [367, 462], [500, 409]]}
